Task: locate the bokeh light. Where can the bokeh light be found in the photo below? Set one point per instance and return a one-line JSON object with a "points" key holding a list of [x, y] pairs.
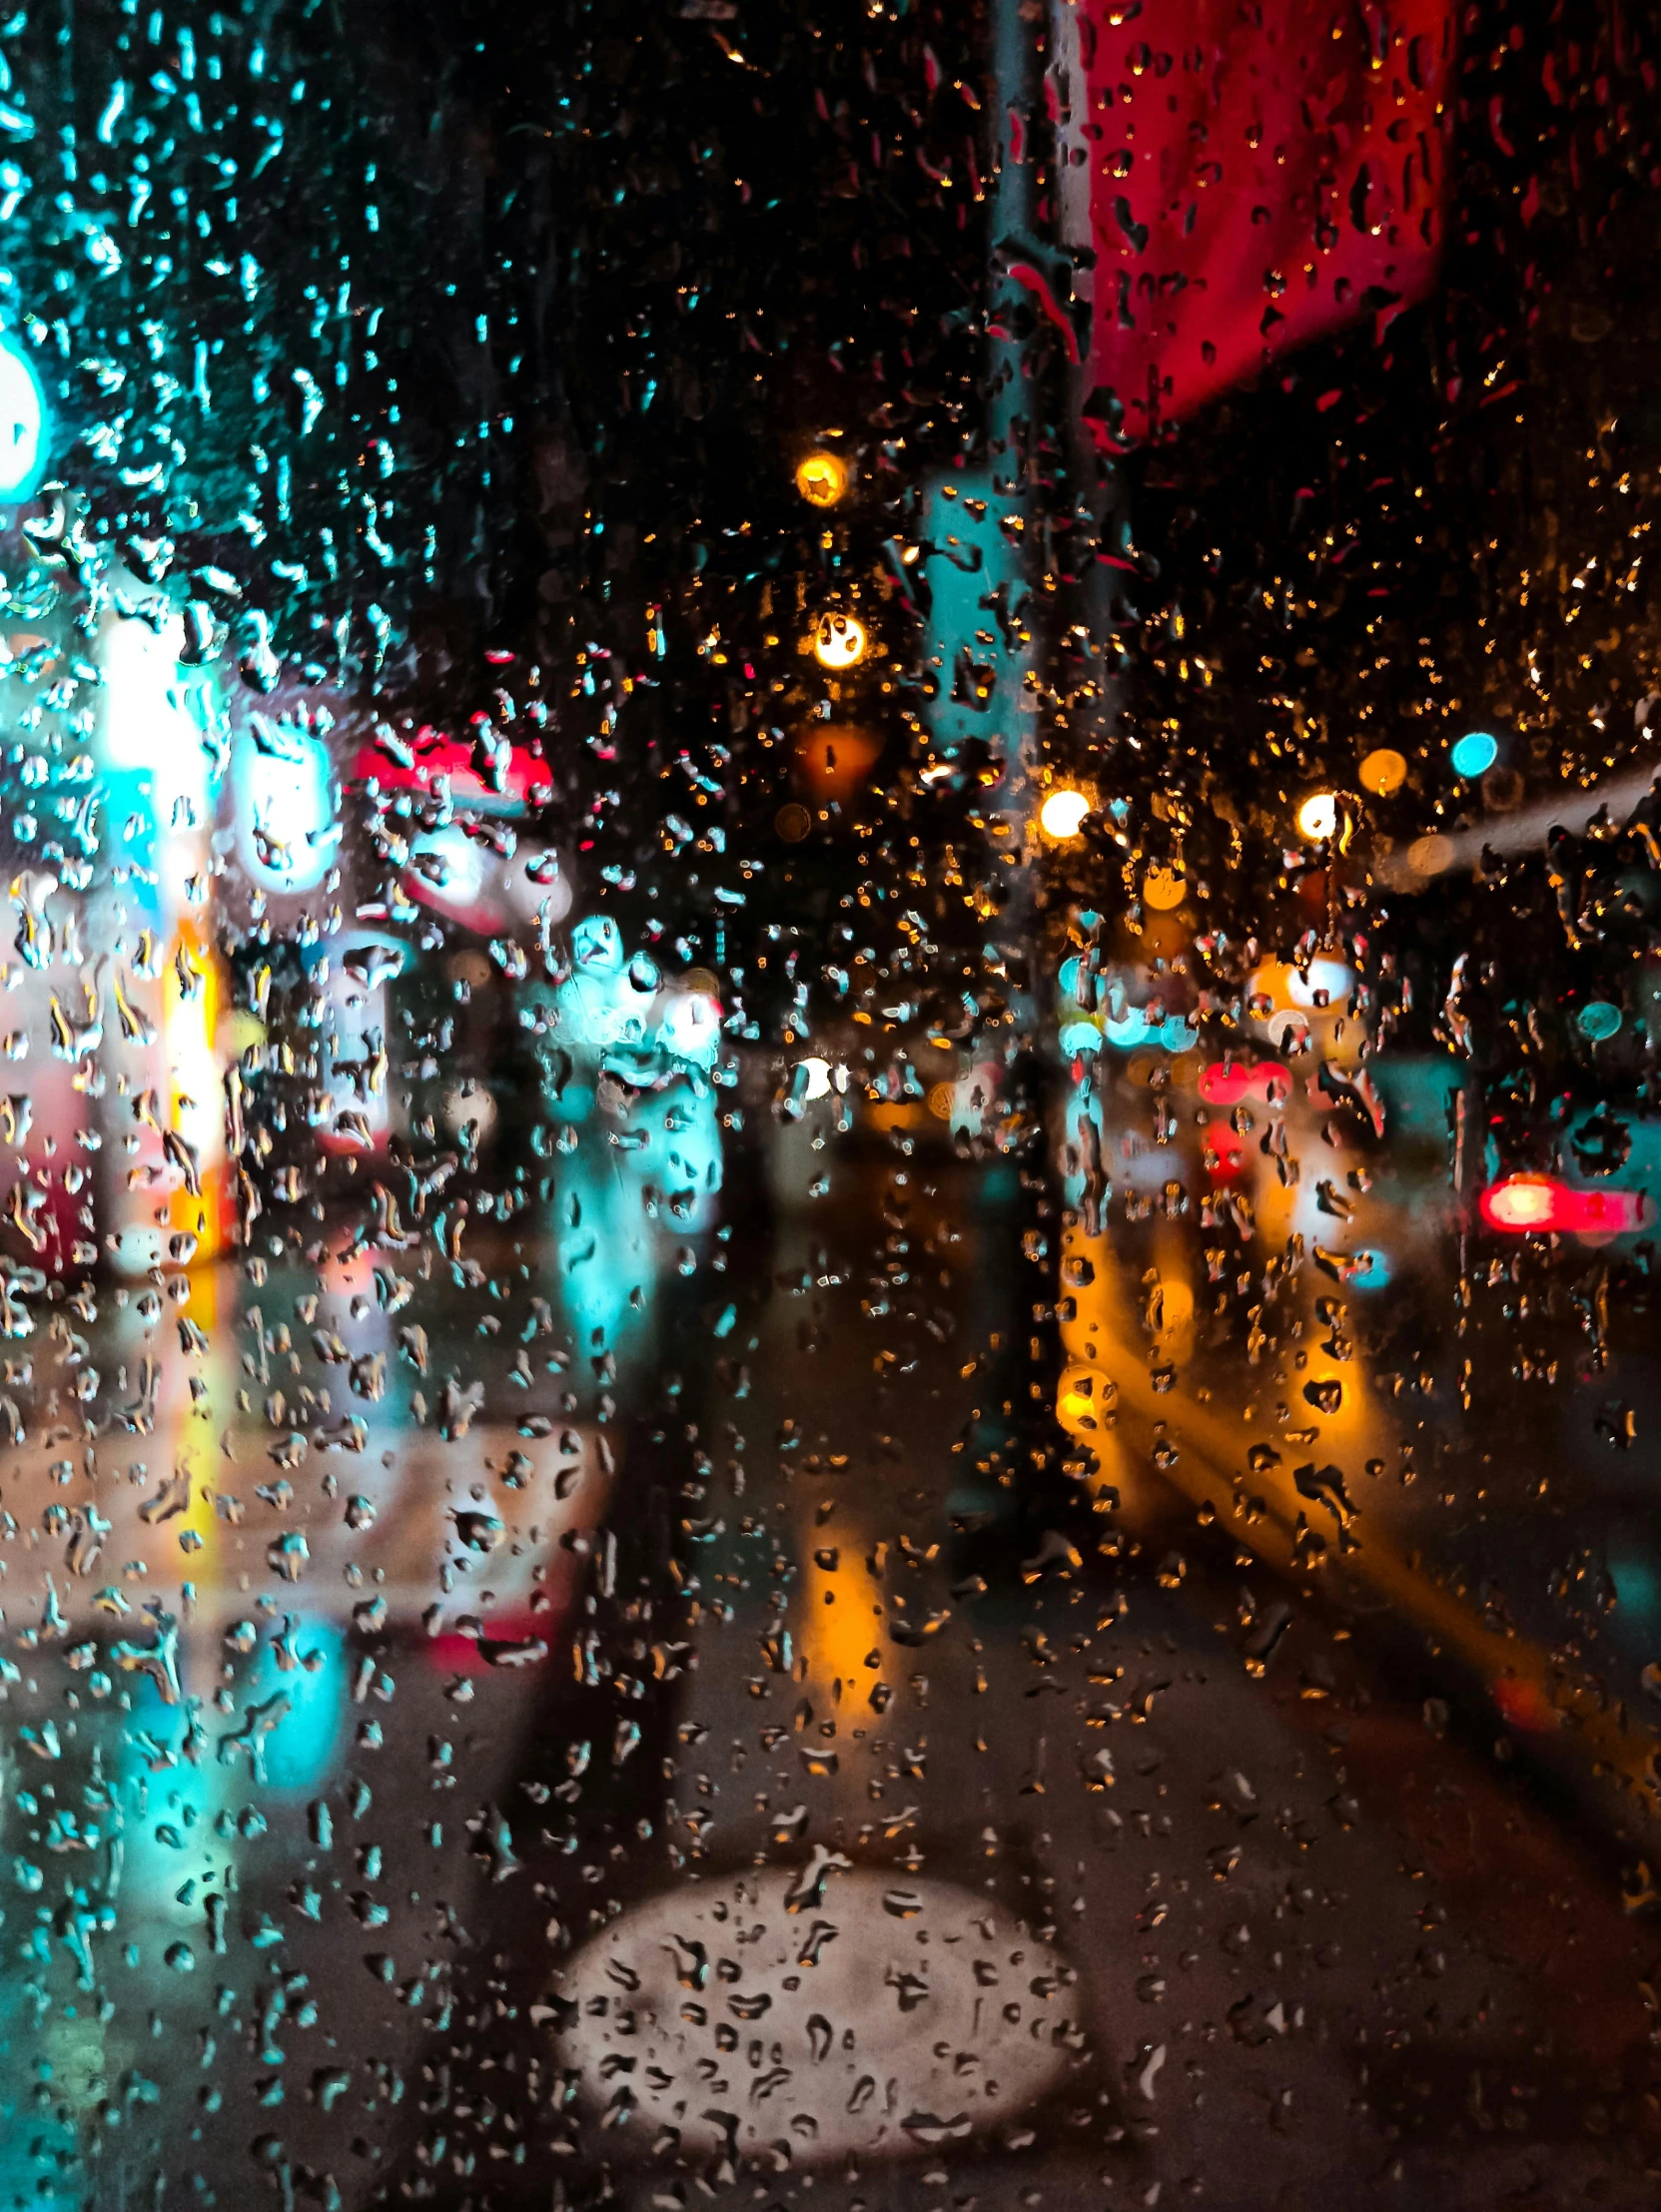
{"points": [[1063, 814], [834, 760], [822, 479], [1474, 754], [1384, 772], [840, 641]]}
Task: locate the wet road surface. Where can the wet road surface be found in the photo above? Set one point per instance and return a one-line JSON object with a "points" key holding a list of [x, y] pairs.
{"points": [[673, 1769]]}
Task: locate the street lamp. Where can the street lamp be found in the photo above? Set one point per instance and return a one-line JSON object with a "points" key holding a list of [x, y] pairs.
{"points": [[822, 479], [839, 641], [1062, 815]]}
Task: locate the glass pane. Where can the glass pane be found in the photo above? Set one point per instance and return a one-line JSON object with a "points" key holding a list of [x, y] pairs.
{"points": [[828, 1210]]}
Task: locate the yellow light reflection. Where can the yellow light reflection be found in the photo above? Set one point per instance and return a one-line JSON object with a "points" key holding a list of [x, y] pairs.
{"points": [[190, 1008], [837, 1620]]}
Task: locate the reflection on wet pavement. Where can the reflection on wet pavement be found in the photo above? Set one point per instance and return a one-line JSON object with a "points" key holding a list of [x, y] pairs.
{"points": [[747, 1749]]}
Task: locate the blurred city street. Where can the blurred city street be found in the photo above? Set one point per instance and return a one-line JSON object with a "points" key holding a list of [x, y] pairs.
{"points": [[830, 1107]]}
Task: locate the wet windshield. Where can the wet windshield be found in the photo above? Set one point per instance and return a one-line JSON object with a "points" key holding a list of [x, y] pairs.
{"points": [[830, 1128]]}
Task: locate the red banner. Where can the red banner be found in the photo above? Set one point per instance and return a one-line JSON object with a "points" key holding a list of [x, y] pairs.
{"points": [[1264, 171]]}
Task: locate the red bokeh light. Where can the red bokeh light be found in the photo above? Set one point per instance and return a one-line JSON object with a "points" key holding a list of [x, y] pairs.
{"points": [[1224, 1151], [1525, 1705], [1225, 1083]]}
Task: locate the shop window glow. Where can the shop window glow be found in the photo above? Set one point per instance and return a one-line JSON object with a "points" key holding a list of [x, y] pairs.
{"points": [[286, 830], [23, 425]]}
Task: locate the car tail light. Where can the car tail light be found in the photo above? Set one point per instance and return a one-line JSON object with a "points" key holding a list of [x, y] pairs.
{"points": [[1533, 1204]]}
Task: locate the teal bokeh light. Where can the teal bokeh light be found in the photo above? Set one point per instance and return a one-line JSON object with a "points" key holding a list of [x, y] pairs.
{"points": [[1474, 754]]}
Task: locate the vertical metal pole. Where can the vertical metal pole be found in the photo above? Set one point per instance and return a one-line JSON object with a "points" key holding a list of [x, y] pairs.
{"points": [[1011, 418]]}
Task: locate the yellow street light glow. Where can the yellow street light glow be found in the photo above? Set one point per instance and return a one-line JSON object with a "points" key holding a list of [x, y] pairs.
{"points": [[1384, 772], [1165, 889], [822, 479], [1317, 817], [1063, 814], [839, 641]]}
